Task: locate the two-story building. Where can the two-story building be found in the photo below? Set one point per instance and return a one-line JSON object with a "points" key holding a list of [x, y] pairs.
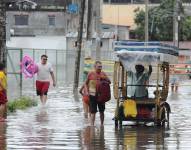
{"points": [[39, 17]]}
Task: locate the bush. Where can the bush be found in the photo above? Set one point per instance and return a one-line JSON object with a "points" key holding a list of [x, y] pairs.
{"points": [[20, 103]]}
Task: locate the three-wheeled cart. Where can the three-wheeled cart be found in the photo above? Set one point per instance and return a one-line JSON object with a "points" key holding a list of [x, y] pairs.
{"points": [[154, 108]]}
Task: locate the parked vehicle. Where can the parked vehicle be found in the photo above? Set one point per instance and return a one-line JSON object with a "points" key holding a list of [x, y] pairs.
{"points": [[150, 108]]}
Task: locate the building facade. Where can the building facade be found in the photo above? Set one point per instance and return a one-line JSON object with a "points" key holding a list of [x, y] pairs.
{"points": [[24, 23], [39, 17]]}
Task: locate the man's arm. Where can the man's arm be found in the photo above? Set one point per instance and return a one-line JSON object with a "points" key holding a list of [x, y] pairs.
{"points": [[53, 78], [129, 73]]}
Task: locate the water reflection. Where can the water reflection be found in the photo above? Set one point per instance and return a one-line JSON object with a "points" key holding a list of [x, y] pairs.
{"points": [[133, 138], [93, 138], [62, 126], [174, 96], [42, 116], [3, 143], [43, 133]]}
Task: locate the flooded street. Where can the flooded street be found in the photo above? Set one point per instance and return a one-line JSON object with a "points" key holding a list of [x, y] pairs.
{"points": [[61, 126], [141, 46]]}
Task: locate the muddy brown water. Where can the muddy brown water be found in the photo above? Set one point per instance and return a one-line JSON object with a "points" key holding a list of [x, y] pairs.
{"points": [[61, 126]]}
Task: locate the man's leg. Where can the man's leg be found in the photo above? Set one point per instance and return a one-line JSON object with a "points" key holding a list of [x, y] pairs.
{"points": [[101, 110], [45, 87], [102, 118], [93, 109], [93, 115], [43, 99], [39, 91]]}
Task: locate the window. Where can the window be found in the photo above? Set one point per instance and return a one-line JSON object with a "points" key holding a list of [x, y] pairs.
{"points": [[51, 20], [21, 20]]}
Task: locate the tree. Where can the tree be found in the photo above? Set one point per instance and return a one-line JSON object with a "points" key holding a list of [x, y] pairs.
{"points": [[161, 22], [185, 28], [3, 56]]}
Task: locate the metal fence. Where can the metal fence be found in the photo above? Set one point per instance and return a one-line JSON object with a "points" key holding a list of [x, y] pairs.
{"points": [[63, 62]]}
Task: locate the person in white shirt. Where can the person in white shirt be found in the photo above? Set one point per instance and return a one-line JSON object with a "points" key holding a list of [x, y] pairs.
{"points": [[138, 81], [45, 70]]}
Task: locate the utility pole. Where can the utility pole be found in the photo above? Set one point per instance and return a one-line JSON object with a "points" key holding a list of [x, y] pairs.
{"points": [[89, 29], [146, 22], [97, 6], [79, 47], [176, 20], [89, 20], [3, 53]]}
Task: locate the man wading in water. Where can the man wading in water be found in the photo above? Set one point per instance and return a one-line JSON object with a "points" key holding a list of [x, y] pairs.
{"points": [[92, 81], [45, 70]]}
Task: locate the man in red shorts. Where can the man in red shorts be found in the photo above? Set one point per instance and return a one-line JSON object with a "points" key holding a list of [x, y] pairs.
{"points": [[92, 81], [45, 70]]}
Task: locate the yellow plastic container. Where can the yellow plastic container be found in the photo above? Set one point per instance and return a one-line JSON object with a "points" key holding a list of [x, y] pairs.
{"points": [[130, 108]]}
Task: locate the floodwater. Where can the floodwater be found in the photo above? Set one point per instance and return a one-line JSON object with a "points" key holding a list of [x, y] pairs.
{"points": [[60, 125]]}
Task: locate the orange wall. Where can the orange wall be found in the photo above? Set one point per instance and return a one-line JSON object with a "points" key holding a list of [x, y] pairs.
{"points": [[120, 14]]}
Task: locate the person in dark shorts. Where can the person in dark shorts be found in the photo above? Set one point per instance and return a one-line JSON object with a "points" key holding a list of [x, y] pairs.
{"points": [[92, 81], [45, 70]]}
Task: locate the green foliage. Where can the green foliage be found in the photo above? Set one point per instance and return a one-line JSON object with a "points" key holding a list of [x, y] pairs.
{"points": [[185, 29], [21, 103], [140, 21], [161, 22]]}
